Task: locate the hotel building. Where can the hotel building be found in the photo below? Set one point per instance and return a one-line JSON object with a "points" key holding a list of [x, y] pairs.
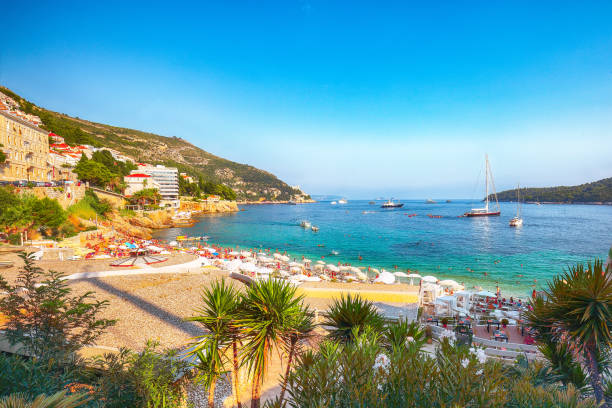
{"points": [[26, 147], [166, 178]]}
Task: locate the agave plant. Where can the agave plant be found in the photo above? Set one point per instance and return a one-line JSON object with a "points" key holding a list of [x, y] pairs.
{"points": [[577, 309], [57, 400], [403, 334], [217, 314], [351, 312], [269, 310]]}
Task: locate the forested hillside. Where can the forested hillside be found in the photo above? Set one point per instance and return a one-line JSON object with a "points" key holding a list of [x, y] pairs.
{"points": [[247, 181], [596, 192]]}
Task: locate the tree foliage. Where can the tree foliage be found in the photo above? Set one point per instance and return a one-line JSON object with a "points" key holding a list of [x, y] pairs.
{"points": [[23, 212], [44, 318], [598, 191]]}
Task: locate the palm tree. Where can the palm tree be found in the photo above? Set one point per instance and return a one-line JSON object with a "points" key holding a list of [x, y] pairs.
{"points": [[351, 312], [577, 308], [217, 315], [300, 329], [268, 311]]}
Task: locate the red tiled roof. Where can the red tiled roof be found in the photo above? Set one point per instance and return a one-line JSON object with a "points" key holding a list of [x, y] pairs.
{"points": [[138, 175]]}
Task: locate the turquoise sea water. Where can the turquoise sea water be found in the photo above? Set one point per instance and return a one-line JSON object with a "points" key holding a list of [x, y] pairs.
{"points": [[464, 249]]}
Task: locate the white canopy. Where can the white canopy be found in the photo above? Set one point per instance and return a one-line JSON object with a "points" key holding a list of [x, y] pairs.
{"points": [[385, 277], [375, 270], [449, 283], [321, 262], [485, 293], [333, 268], [414, 275], [429, 278], [401, 274], [361, 276], [246, 254]]}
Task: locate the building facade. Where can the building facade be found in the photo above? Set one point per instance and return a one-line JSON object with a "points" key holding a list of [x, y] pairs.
{"points": [[167, 180], [27, 149], [138, 181]]}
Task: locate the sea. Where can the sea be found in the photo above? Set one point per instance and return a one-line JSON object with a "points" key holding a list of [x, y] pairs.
{"points": [[431, 239]]}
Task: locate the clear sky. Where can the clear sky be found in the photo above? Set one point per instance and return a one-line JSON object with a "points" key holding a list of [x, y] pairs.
{"points": [[351, 98]]}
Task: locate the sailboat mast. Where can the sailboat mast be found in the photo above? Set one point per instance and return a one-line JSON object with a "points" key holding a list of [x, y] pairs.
{"points": [[487, 182], [518, 200]]}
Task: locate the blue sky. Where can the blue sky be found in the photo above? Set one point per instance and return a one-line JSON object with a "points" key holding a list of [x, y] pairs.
{"points": [[351, 98]]}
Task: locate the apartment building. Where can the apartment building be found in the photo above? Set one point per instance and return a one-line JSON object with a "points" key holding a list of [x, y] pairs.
{"points": [[167, 180], [26, 147]]}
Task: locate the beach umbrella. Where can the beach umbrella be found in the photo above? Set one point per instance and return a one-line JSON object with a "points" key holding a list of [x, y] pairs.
{"points": [[306, 260], [292, 264], [345, 268], [375, 270], [234, 253], [333, 268], [209, 249], [246, 254], [324, 277], [295, 269], [284, 274], [321, 262], [318, 267], [413, 275], [401, 274], [385, 277], [277, 255], [486, 293], [361, 276], [449, 283], [429, 278]]}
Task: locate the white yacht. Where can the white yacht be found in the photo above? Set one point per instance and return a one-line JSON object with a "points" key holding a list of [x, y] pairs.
{"points": [[517, 221], [342, 201]]}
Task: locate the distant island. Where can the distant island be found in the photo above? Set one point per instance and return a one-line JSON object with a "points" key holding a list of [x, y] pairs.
{"points": [[597, 192]]}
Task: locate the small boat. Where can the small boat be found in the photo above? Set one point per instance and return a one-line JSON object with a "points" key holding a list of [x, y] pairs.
{"points": [[342, 201], [391, 204], [306, 224], [517, 221], [333, 203], [314, 229], [430, 201], [291, 202], [486, 212], [372, 203], [448, 201]]}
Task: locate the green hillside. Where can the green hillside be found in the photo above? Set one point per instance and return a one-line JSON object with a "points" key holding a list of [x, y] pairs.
{"points": [[248, 182], [596, 192]]}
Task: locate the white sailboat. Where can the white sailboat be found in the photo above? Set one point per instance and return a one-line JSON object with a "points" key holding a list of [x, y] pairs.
{"points": [[517, 221], [486, 211]]}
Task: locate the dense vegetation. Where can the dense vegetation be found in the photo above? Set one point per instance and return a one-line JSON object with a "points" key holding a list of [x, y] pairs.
{"points": [[205, 188], [156, 149], [103, 170], [596, 192], [23, 212], [363, 361]]}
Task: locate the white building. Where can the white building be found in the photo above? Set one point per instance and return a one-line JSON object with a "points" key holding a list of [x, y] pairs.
{"points": [[166, 179], [138, 181]]}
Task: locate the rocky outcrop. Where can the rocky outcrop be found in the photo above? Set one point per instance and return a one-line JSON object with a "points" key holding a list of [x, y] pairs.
{"points": [[205, 207]]}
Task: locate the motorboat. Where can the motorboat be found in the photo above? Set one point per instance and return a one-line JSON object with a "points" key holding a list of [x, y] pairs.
{"points": [[342, 201], [314, 229], [391, 204], [486, 211], [306, 224], [430, 201], [333, 203]]}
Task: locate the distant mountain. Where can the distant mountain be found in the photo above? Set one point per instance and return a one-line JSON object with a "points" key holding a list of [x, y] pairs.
{"points": [[596, 192], [248, 182]]}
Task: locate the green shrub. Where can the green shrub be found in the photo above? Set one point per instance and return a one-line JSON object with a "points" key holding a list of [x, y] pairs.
{"points": [[14, 239]]}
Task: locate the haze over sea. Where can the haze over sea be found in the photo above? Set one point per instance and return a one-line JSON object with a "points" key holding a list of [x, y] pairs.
{"points": [[476, 251]]}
